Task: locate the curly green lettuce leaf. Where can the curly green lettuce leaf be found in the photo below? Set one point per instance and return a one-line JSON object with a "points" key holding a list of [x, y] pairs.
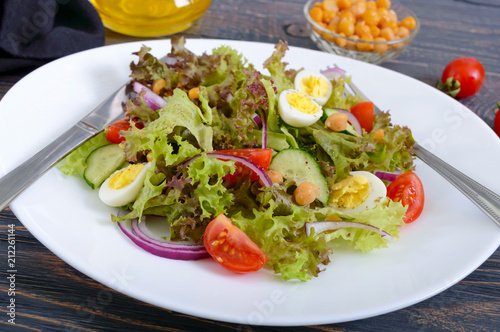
{"points": [[338, 98], [388, 216], [282, 238], [74, 163], [179, 113], [280, 76], [214, 198]]}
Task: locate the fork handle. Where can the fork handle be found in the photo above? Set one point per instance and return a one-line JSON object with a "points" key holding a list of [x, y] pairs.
{"points": [[482, 197]]}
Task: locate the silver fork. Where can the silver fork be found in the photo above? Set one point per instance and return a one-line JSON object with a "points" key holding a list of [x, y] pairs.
{"points": [[482, 197]]}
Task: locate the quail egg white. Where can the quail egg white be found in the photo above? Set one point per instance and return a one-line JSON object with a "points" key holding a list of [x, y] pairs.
{"points": [[359, 192], [297, 109], [123, 186], [315, 85]]}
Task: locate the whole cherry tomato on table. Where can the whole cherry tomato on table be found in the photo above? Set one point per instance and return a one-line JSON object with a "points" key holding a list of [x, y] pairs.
{"points": [[462, 77], [497, 119]]}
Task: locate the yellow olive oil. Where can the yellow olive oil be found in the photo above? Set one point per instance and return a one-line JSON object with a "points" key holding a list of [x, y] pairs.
{"points": [[149, 18]]}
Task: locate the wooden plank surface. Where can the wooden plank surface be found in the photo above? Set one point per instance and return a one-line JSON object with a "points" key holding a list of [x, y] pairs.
{"points": [[52, 296]]}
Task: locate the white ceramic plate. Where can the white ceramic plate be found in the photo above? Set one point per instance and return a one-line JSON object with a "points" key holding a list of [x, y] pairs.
{"points": [[449, 241]]}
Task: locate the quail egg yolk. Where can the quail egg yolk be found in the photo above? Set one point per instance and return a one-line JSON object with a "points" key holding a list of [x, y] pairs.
{"points": [[301, 102], [125, 177], [314, 86], [350, 192]]}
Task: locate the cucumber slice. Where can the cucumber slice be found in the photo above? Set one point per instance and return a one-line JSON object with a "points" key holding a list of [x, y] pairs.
{"points": [[300, 166], [350, 128], [101, 163]]}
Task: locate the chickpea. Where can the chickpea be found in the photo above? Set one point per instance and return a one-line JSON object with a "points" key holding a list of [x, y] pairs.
{"points": [[305, 193], [344, 4], [362, 29], [333, 218], [403, 32], [387, 33], [330, 5], [275, 176], [336, 122], [316, 14], [371, 5], [365, 47], [380, 48], [378, 135], [158, 85], [371, 17], [194, 93], [375, 31], [346, 27], [384, 3], [358, 9], [350, 45], [328, 16], [409, 23], [347, 15], [341, 41]]}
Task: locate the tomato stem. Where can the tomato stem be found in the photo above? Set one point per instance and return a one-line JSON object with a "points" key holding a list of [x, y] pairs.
{"points": [[451, 86]]}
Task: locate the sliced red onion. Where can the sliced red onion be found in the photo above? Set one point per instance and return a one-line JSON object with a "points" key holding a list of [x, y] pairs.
{"points": [[257, 120], [165, 250], [264, 129], [150, 98], [261, 173], [141, 230], [387, 176], [352, 120], [334, 73], [321, 226]]}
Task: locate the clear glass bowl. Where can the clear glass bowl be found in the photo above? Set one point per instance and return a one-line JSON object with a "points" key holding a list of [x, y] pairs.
{"points": [[329, 41]]}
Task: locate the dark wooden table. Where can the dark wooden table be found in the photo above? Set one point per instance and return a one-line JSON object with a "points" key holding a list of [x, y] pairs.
{"points": [[52, 296]]}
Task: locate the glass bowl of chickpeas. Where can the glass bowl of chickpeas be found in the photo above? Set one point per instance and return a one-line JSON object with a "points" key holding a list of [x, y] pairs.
{"points": [[372, 31]]}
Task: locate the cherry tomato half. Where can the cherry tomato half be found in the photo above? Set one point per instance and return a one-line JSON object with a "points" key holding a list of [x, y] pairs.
{"points": [[408, 189], [364, 112], [231, 247], [261, 157], [462, 77], [113, 133]]}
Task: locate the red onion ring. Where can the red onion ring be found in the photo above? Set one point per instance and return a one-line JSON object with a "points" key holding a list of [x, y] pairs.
{"points": [[257, 120], [321, 226], [261, 173], [150, 98], [165, 250], [333, 73], [141, 230], [387, 176], [352, 120]]}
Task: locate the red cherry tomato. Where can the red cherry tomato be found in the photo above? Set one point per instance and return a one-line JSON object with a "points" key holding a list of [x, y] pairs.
{"points": [[364, 112], [231, 247], [113, 133], [408, 189], [261, 157], [497, 119], [462, 77]]}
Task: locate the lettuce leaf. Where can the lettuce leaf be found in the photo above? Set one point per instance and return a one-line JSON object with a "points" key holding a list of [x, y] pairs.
{"points": [[282, 237], [75, 162], [388, 216]]}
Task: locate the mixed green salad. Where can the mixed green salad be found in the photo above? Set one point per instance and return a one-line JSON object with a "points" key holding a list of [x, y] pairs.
{"points": [[252, 169]]}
